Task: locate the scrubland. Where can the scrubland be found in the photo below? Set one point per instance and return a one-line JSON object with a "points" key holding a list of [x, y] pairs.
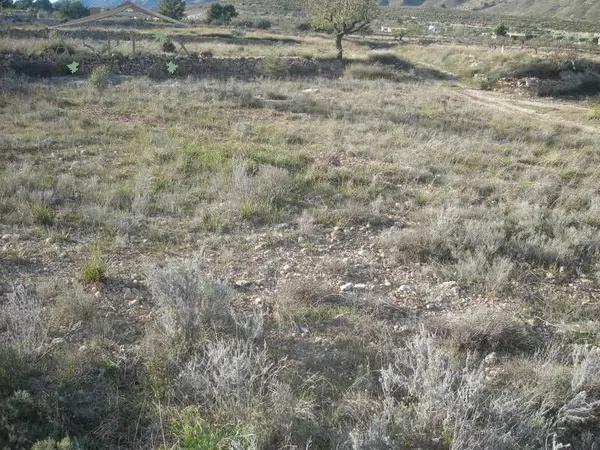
{"points": [[385, 260]]}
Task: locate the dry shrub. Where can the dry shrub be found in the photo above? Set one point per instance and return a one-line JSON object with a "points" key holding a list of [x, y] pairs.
{"points": [[187, 301], [21, 318], [298, 296], [485, 330], [230, 376]]}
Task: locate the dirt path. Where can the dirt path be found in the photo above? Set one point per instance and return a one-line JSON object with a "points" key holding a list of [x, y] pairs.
{"points": [[551, 111], [544, 110]]}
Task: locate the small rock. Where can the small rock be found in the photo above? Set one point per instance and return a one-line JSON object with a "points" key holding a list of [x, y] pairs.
{"points": [[346, 287], [360, 286], [98, 294], [339, 320], [57, 341], [491, 359], [404, 288]]}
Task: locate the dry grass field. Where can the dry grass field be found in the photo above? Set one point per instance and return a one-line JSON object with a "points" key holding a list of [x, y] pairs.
{"points": [[393, 259]]}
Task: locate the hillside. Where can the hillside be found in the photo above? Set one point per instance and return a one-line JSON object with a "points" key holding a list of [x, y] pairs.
{"points": [[572, 9]]}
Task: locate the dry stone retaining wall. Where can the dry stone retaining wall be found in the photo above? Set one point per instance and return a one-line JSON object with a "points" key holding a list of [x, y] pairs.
{"points": [[155, 66]]}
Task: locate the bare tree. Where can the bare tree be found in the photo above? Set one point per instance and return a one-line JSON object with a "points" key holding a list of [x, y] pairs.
{"points": [[342, 16]]}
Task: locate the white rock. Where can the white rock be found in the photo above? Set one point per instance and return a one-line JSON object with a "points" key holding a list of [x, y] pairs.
{"points": [[346, 287], [491, 359]]}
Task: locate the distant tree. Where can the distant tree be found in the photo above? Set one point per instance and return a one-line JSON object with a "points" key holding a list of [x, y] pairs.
{"points": [[221, 13], [343, 17], [72, 9], [6, 4], [43, 4], [174, 9], [23, 4], [500, 29]]}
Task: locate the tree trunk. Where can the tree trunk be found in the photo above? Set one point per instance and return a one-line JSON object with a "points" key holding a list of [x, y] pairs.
{"points": [[338, 46]]}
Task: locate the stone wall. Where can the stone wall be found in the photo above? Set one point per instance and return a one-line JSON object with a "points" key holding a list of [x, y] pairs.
{"points": [[155, 66]]}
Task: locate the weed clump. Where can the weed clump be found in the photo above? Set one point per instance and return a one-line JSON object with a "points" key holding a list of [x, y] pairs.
{"points": [[100, 77], [94, 269], [42, 214]]}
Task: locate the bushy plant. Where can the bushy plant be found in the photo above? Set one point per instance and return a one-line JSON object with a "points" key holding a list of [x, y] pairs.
{"points": [[21, 318], [263, 24], [275, 66], [188, 301], [52, 444], [100, 77], [94, 269], [174, 9], [231, 376], [168, 46], [304, 26], [42, 213], [500, 29], [72, 9], [218, 13]]}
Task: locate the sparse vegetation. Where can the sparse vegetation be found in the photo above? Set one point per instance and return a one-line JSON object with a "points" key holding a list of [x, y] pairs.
{"points": [[390, 258]]}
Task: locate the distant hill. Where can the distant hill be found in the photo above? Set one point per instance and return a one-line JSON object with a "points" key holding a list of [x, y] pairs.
{"points": [[588, 10], [564, 9]]}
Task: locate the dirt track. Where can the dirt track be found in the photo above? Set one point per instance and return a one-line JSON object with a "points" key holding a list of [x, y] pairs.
{"points": [[546, 110]]}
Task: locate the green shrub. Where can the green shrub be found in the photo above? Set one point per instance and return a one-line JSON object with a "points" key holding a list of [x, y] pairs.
{"points": [[372, 72], [303, 26], [192, 432], [52, 444], [595, 114], [168, 47], [244, 24], [500, 29], [275, 66], [100, 77], [72, 9], [43, 214], [174, 9], [94, 269], [263, 24], [218, 13]]}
